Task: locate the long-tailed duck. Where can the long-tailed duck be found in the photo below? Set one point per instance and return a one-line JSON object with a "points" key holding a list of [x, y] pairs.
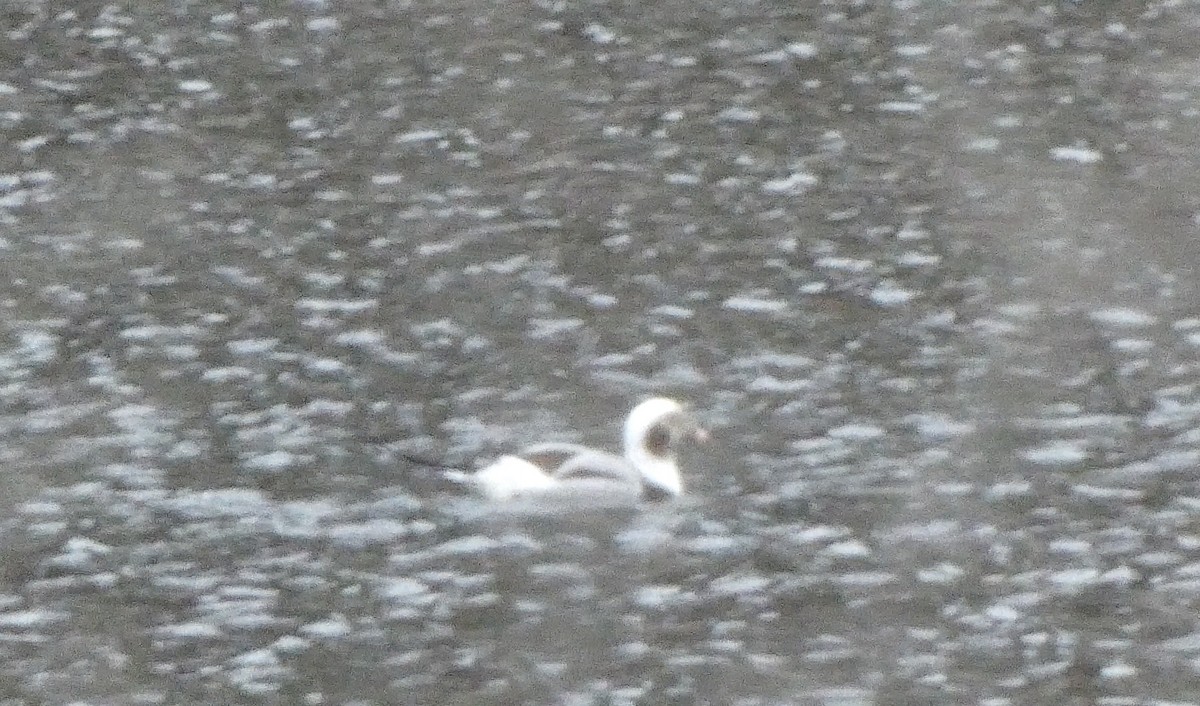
{"points": [[648, 470]]}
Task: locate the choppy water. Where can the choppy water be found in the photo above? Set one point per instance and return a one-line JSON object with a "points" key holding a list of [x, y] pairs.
{"points": [[926, 270]]}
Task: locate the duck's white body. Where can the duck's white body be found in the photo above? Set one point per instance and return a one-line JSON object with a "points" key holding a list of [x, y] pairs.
{"points": [[510, 476], [647, 469]]}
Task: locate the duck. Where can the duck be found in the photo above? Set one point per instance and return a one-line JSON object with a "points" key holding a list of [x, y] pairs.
{"points": [[647, 470]]}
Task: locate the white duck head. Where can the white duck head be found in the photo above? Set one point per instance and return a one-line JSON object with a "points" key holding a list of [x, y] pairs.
{"points": [[652, 430]]}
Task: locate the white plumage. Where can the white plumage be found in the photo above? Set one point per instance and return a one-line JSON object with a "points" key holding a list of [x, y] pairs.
{"points": [[647, 470]]}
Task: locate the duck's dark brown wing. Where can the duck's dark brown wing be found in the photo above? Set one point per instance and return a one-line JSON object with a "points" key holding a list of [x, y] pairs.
{"points": [[598, 465], [551, 456]]}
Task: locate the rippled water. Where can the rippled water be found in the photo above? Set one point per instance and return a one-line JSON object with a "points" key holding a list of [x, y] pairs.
{"points": [[924, 269]]}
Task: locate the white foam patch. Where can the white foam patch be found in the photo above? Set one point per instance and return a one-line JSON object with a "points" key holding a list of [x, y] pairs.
{"points": [[754, 305], [850, 549], [739, 585], [1079, 155], [215, 504], [939, 426], [330, 628], [188, 632], [891, 294], [31, 619], [1075, 579], [941, 575], [401, 589], [793, 184], [857, 432], [1122, 317], [1057, 453]]}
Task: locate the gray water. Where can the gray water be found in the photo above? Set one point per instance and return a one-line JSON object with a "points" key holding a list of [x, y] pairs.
{"points": [[927, 270]]}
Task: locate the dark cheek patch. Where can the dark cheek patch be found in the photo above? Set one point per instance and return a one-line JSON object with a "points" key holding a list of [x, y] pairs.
{"points": [[658, 441]]}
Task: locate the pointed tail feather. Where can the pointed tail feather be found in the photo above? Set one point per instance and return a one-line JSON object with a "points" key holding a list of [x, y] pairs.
{"points": [[455, 474]]}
